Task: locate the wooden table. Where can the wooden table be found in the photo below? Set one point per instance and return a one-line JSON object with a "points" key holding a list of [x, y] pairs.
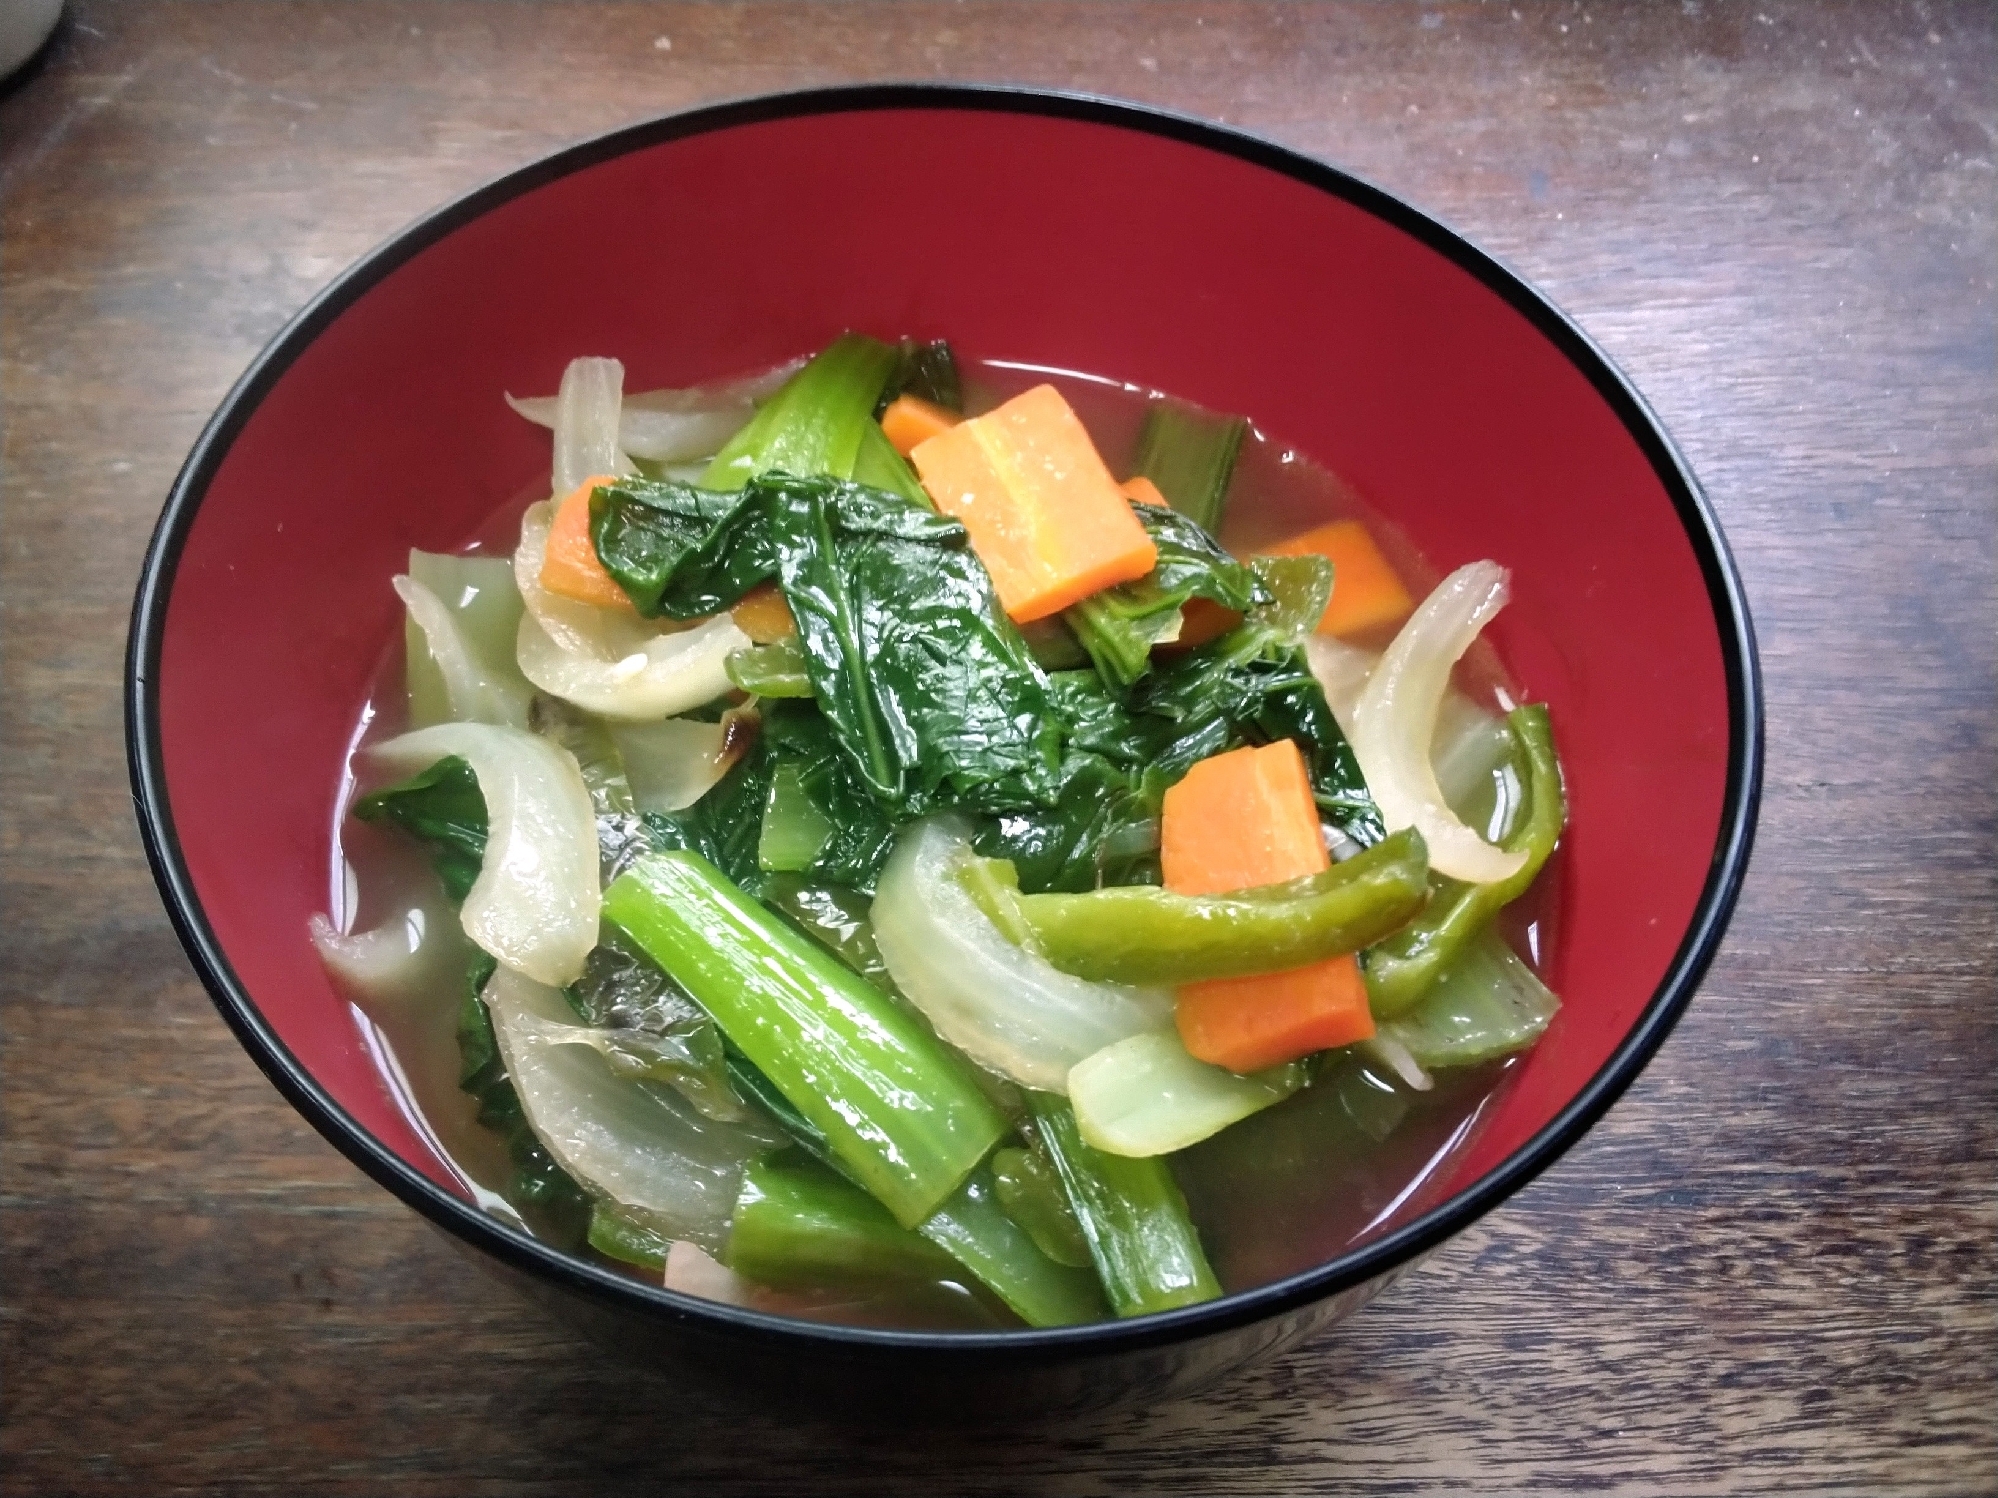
{"points": [[1771, 1268]]}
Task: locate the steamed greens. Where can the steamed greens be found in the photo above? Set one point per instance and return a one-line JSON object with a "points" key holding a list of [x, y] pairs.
{"points": [[800, 925]]}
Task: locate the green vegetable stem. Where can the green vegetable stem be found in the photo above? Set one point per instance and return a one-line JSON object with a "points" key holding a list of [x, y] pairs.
{"points": [[1147, 1253], [798, 1224], [899, 1110], [1190, 454]]}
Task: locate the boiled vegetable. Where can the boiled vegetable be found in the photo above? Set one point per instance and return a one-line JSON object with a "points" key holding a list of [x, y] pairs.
{"points": [[1003, 1006], [1149, 1096], [911, 421], [569, 565], [798, 1224], [1146, 1251], [587, 406], [1402, 967], [1367, 592], [1045, 516], [1143, 934], [636, 1144], [1189, 456], [815, 423], [1487, 1004], [458, 641], [899, 1110], [534, 904], [1394, 722]]}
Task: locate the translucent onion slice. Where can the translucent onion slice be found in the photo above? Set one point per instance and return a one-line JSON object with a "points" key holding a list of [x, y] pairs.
{"points": [[607, 660], [1394, 722], [673, 763], [1471, 750], [692, 1272], [474, 692], [676, 426], [535, 904], [478, 595], [404, 964], [586, 422], [639, 1144], [1146, 1096], [998, 1003]]}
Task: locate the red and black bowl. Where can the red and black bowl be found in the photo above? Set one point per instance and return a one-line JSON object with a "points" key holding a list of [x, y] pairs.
{"points": [[1075, 233]]}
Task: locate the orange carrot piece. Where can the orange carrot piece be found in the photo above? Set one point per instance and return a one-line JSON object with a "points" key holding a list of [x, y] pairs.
{"points": [[1140, 490], [1045, 517], [763, 615], [571, 568], [911, 421], [1241, 819], [1235, 821], [1201, 620], [1246, 1024], [1366, 590]]}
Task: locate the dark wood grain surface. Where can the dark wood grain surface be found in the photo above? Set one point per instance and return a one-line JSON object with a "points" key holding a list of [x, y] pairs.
{"points": [[1770, 1269]]}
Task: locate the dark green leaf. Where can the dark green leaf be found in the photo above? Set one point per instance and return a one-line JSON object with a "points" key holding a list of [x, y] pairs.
{"points": [[443, 808]]}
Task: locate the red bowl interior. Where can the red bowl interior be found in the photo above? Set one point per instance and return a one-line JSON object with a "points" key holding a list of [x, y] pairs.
{"points": [[1074, 242]]}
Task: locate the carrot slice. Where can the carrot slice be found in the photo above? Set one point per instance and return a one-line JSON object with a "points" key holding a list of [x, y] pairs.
{"points": [[911, 421], [1235, 821], [1241, 819], [763, 615], [1246, 1024], [1366, 590], [1140, 490], [1045, 517], [571, 568]]}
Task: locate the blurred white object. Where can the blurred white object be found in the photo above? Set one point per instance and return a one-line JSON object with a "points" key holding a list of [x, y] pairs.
{"points": [[24, 26]]}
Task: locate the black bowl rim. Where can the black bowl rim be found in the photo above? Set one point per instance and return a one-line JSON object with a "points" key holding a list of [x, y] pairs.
{"points": [[1695, 953]]}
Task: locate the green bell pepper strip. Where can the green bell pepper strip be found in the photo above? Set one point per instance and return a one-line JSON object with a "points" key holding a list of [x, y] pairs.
{"points": [[816, 423], [1403, 967], [798, 1225], [1146, 1250], [1144, 934], [899, 1110]]}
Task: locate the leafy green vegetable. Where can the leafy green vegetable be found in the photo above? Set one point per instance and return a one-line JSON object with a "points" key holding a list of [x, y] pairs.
{"points": [[879, 466], [443, 808], [1190, 454], [1119, 626], [1298, 589], [1488, 1003], [650, 1030], [976, 1230], [816, 422], [1029, 1188], [927, 371], [618, 1235]]}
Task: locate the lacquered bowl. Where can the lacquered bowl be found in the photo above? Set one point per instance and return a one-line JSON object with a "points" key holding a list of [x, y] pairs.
{"points": [[1070, 232]]}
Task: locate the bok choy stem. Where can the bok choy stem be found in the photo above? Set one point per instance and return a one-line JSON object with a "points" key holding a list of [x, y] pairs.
{"points": [[1147, 1253], [816, 423], [898, 1109], [1190, 455], [798, 1224]]}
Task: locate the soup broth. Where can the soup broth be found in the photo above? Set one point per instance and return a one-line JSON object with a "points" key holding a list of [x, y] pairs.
{"points": [[1343, 1160]]}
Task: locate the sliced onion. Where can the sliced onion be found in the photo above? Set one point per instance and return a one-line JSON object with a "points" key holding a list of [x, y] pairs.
{"points": [[673, 763], [403, 965], [1146, 1096], [1003, 1006], [1342, 671], [637, 1144], [691, 1271], [1394, 722], [610, 661], [673, 426], [478, 596], [535, 904], [586, 422], [474, 693]]}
